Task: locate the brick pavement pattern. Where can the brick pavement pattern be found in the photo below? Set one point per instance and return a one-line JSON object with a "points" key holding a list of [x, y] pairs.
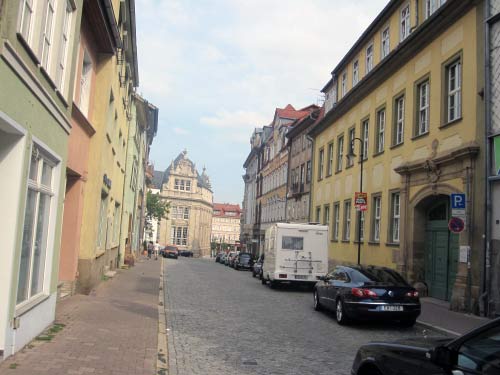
{"points": [[112, 331], [224, 322]]}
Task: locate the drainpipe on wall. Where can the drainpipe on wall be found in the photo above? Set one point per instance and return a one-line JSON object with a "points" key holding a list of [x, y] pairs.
{"points": [[311, 183], [484, 304]]}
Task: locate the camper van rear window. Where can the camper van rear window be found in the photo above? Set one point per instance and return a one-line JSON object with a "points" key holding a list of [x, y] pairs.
{"points": [[292, 243]]}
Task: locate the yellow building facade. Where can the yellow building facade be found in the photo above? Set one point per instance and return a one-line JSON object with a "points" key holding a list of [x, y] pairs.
{"points": [[406, 100], [111, 83]]}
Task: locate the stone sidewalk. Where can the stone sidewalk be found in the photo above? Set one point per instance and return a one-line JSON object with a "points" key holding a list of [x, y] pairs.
{"points": [[112, 331]]}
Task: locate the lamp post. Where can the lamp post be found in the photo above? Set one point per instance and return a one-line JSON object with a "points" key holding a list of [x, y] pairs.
{"points": [[350, 157]]}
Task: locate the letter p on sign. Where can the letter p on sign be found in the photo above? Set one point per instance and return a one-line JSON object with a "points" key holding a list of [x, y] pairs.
{"points": [[458, 201]]}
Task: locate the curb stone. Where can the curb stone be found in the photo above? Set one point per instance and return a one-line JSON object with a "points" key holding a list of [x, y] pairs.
{"points": [[438, 329], [162, 355]]}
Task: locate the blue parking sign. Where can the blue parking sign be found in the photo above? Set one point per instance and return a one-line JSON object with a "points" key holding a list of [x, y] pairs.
{"points": [[458, 201]]}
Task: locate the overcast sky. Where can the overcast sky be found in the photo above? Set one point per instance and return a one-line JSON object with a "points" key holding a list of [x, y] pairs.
{"points": [[216, 69]]}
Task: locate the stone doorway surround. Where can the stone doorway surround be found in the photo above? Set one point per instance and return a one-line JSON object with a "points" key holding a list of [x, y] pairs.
{"points": [[442, 173]]}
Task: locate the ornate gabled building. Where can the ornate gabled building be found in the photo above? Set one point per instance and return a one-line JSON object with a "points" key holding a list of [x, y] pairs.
{"points": [[189, 193], [226, 225]]}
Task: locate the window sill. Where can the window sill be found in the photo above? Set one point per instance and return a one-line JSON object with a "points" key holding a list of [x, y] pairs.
{"points": [[450, 123], [419, 136], [29, 305], [359, 242], [392, 244], [336, 241], [378, 153], [100, 254], [28, 49], [376, 243], [62, 98], [363, 160], [349, 166], [396, 145], [338, 171], [48, 78], [345, 241]]}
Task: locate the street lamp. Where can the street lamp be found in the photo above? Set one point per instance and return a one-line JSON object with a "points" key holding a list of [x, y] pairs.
{"points": [[350, 157]]}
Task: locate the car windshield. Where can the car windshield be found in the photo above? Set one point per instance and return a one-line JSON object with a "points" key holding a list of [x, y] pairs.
{"points": [[375, 275], [171, 248], [481, 353]]}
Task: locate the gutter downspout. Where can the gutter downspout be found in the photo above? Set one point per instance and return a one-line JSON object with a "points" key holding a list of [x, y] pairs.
{"points": [[484, 303]]}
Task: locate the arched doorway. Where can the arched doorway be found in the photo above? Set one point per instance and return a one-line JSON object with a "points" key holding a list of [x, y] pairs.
{"points": [[441, 249]]}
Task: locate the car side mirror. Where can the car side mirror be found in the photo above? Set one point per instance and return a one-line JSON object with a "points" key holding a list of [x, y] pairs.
{"points": [[442, 356]]}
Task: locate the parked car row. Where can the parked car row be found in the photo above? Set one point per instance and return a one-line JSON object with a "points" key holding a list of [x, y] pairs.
{"points": [[356, 293], [236, 260]]}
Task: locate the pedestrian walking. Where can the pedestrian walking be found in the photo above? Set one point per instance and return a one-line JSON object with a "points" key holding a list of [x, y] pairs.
{"points": [[157, 250], [150, 249]]}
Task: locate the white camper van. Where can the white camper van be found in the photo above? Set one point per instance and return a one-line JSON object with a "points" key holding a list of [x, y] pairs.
{"points": [[295, 253]]}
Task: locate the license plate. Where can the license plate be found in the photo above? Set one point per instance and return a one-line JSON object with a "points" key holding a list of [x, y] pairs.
{"points": [[391, 308], [301, 277]]}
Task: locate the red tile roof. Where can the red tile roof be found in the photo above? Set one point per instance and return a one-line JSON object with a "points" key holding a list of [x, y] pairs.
{"points": [[290, 112], [224, 208]]}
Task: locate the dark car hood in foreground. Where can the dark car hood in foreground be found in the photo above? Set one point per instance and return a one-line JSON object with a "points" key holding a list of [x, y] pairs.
{"points": [[414, 342]]}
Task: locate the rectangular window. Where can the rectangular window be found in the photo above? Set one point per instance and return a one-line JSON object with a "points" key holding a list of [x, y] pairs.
{"points": [[179, 235], [336, 221], [63, 47], [116, 224], [352, 135], [431, 6], [321, 162], [369, 58], [399, 120], [380, 137], [340, 153], [347, 221], [186, 213], [404, 23], [395, 216], [330, 160], [188, 185], [103, 213], [355, 73], [46, 37], [292, 243], [308, 172], [365, 126], [302, 176], [377, 208], [326, 215], [318, 214], [27, 20], [343, 84], [453, 91], [37, 216], [423, 108], [386, 43], [181, 184]]}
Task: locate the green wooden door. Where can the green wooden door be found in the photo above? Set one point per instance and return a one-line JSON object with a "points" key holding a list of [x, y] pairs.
{"points": [[441, 253]]}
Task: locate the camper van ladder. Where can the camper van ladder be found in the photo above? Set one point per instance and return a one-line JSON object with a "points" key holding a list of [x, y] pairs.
{"points": [[296, 267]]}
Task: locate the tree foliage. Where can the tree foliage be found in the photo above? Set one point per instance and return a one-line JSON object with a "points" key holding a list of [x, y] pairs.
{"points": [[156, 207]]}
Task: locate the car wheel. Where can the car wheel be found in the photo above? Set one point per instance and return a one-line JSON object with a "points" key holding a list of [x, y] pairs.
{"points": [[263, 281], [340, 314], [236, 267], [253, 274], [317, 304], [273, 284]]}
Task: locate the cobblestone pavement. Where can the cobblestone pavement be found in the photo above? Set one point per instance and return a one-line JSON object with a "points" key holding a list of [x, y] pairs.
{"points": [[112, 331], [223, 321]]}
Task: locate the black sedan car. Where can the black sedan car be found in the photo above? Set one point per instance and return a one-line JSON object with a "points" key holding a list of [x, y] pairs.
{"points": [[367, 292], [257, 267], [477, 352], [243, 261]]}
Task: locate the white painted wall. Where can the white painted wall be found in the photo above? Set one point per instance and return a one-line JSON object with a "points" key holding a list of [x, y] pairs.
{"points": [[12, 145]]}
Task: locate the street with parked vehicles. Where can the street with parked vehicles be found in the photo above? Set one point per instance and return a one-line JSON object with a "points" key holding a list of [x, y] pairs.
{"points": [[224, 321]]}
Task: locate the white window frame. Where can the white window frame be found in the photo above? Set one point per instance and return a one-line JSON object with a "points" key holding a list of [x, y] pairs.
{"points": [[365, 133], [47, 189], [369, 58], [340, 153], [352, 135], [454, 91], [423, 107], [347, 221], [386, 42], [400, 120], [343, 84], [395, 216], [355, 73], [321, 161], [377, 214], [326, 215], [381, 119], [431, 6], [63, 47], [336, 221], [27, 10], [330, 159], [47, 32], [404, 23]]}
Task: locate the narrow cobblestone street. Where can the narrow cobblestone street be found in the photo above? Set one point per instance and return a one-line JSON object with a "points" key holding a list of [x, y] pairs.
{"points": [[223, 321]]}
